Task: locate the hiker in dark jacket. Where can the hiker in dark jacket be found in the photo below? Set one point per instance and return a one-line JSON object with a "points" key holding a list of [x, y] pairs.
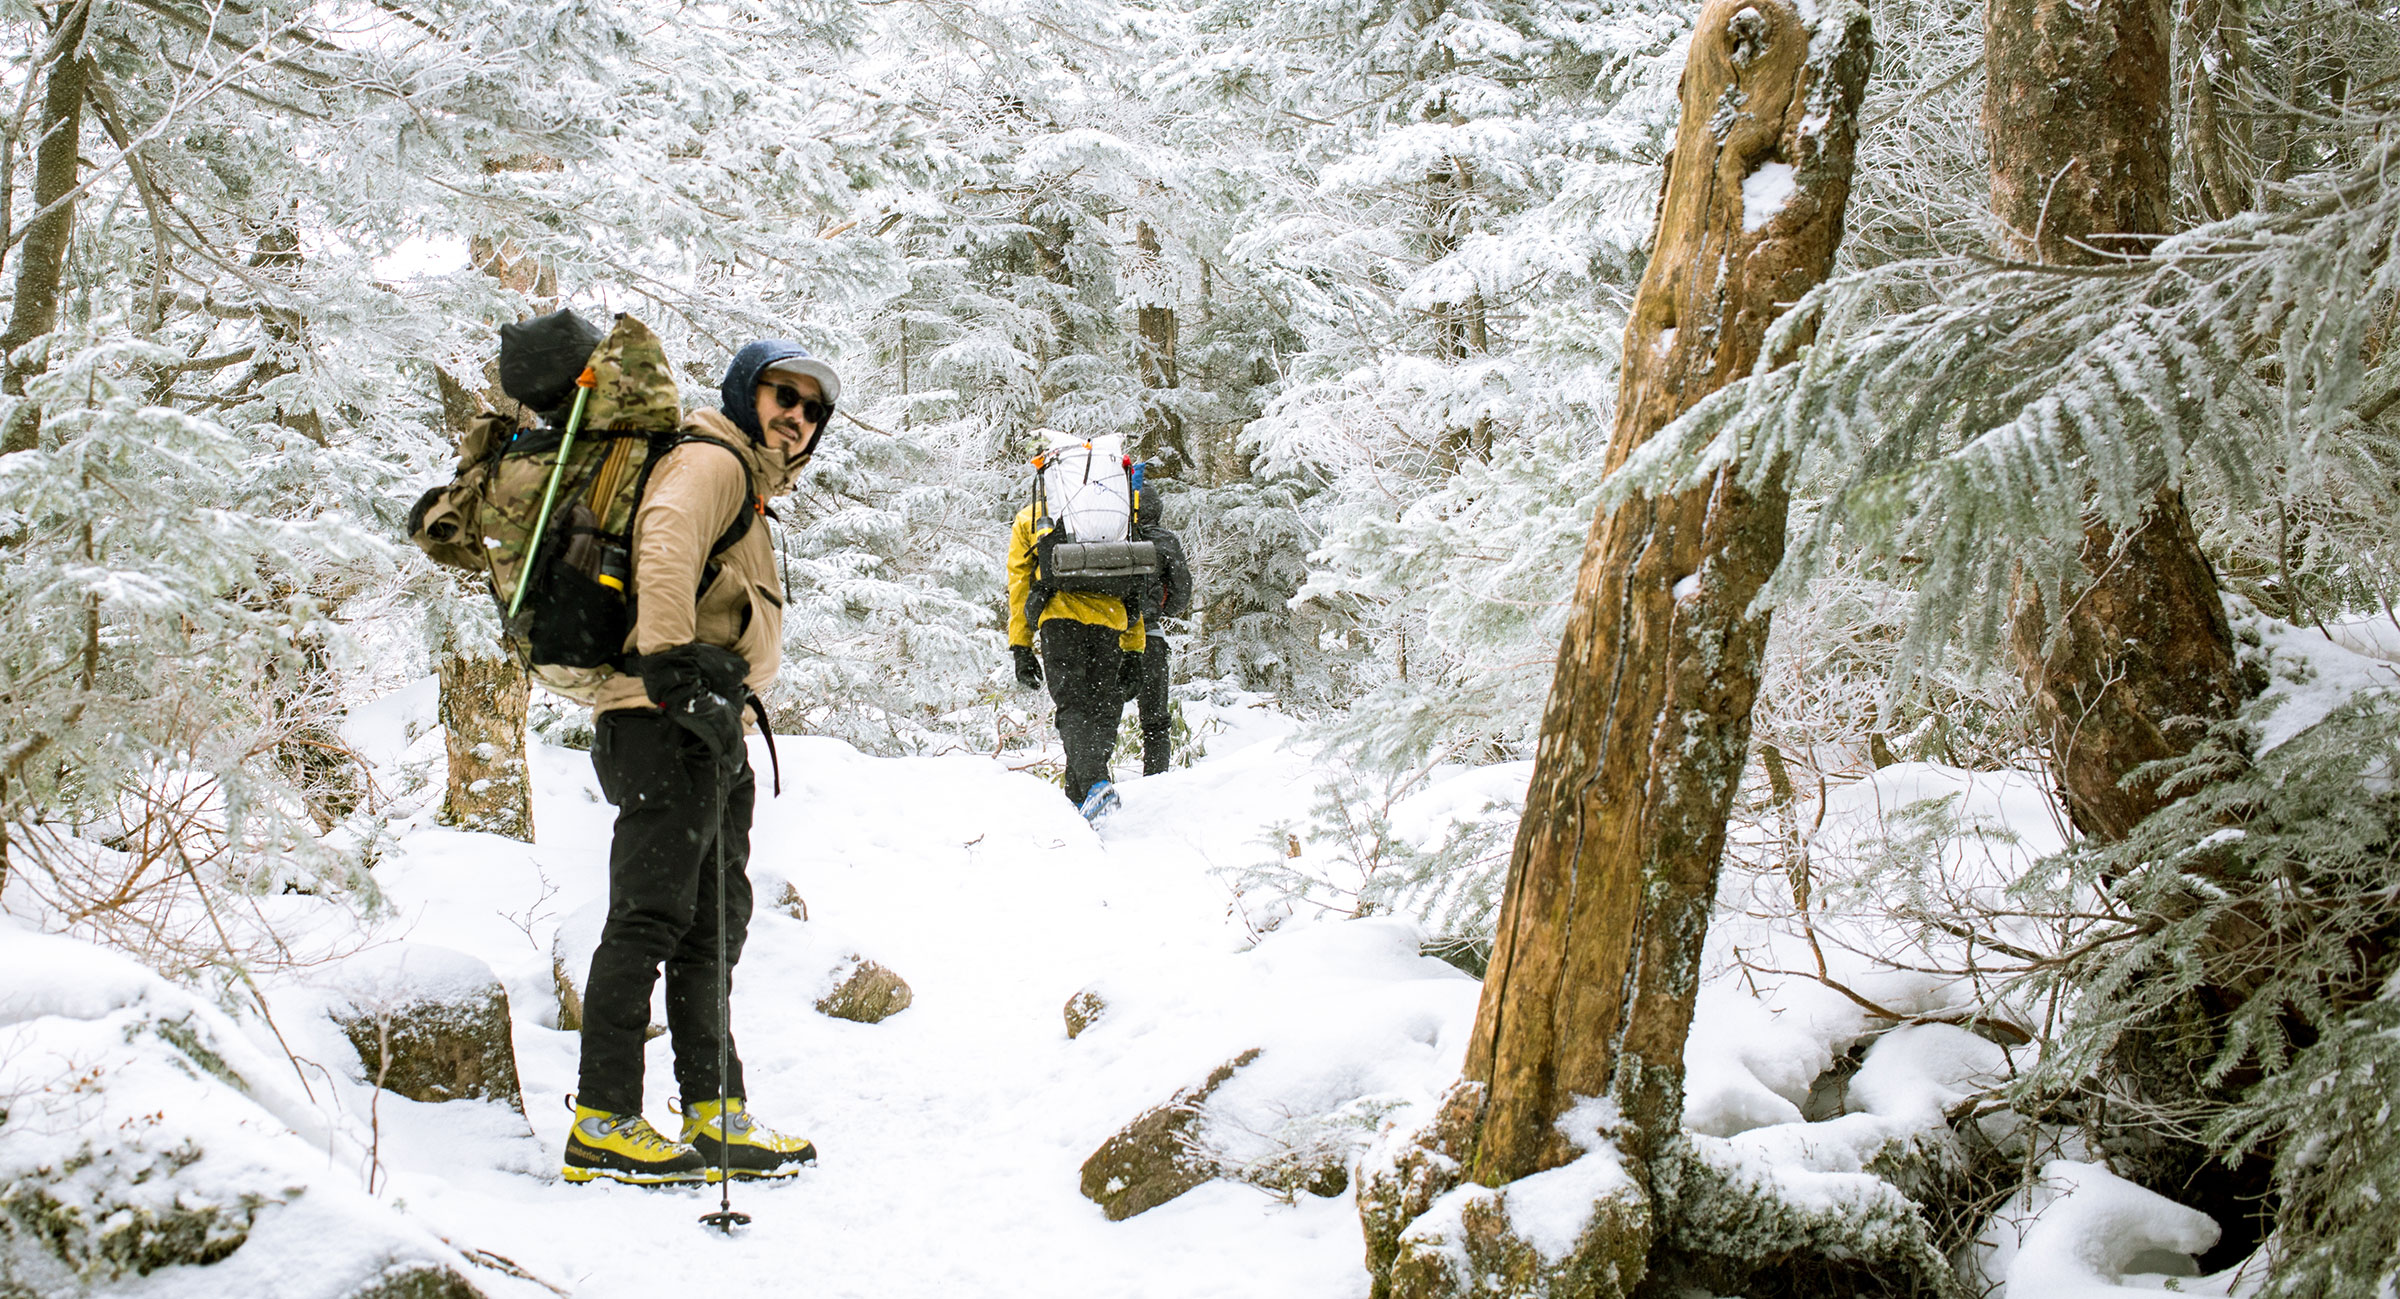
{"points": [[667, 744], [1146, 672]]}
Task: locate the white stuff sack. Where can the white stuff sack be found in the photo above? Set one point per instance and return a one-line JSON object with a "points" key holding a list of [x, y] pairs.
{"points": [[1085, 487]]}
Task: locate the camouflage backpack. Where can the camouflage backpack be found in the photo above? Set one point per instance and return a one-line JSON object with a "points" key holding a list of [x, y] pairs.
{"points": [[579, 486]]}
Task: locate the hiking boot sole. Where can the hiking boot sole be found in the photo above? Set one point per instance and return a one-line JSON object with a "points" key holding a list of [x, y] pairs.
{"points": [[789, 1168], [761, 1174], [578, 1175]]}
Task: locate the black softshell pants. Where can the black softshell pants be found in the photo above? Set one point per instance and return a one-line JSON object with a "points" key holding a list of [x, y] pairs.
{"points": [[674, 805], [1080, 661], [1150, 699]]}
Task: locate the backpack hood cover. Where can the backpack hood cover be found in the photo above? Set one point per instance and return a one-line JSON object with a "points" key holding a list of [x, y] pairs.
{"points": [[738, 393], [636, 392], [540, 358]]}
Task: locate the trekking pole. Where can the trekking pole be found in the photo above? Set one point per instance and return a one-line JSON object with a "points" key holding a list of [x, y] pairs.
{"points": [[584, 383], [724, 1219]]}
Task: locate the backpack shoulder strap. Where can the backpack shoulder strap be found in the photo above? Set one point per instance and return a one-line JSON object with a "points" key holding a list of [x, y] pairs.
{"points": [[742, 516]]}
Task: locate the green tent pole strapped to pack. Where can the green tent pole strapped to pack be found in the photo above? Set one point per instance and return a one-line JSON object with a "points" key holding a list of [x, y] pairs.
{"points": [[584, 384]]}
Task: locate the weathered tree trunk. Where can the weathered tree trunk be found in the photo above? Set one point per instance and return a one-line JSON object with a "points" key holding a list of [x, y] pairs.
{"points": [[1460, 328], [1597, 958], [279, 258], [2141, 660], [33, 310], [1648, 724], [483, 715]]}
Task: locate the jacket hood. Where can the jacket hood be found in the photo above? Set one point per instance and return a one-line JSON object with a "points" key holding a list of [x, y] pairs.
{"points": [[738, 392]]}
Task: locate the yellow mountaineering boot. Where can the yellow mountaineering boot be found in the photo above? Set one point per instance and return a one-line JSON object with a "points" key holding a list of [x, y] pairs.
{"points": [[751, 1150], [625, 1148]]}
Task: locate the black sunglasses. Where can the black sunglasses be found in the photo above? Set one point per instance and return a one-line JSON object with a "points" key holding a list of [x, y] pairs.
{"points": [[815, 412]]}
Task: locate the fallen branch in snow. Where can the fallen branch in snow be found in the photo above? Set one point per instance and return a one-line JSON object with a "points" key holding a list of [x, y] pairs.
{"points": [[504, 1265]]}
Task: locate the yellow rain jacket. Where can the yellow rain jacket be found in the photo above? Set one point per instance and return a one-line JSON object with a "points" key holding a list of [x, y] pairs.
{"points": [[1082, 606]]}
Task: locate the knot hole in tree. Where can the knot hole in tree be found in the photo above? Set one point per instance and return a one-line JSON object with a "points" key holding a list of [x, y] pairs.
{"points": [[1746, 35]]}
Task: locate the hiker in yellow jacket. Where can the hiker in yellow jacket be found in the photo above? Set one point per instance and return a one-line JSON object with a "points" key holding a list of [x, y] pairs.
{"points": [[1084, 638]]}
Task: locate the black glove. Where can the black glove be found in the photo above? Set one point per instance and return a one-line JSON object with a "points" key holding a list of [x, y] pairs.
{"points": [[702, 689], [1029, 668], [1129, 674]]}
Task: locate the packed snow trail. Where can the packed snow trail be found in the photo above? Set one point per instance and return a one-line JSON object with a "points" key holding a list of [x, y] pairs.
{"points": [[952, 1134]]}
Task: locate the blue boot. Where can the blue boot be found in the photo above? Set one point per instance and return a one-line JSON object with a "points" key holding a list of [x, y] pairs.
{"points": [[1100, 801]]}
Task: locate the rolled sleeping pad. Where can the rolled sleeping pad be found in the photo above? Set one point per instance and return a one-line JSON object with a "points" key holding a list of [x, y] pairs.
{"points": [[1103, 559]]}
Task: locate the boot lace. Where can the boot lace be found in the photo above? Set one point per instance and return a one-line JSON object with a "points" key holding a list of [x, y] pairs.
{"points": [[638, 1133]]}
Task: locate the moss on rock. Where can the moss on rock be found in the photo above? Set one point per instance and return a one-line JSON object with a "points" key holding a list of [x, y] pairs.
{"points": [[457, 1048], [1417, 1167], [1083, 1010], [418, 1281], [869, 994], [1157, 1156], [1469, 1247], [91, 1244]]}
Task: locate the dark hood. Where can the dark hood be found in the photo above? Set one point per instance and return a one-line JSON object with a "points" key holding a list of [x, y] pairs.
{"points": [[739, 391]]}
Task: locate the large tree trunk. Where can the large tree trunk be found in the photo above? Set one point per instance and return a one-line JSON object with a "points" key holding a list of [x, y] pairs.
{"points": [[2139, 665], [2141, 659], [33, 311], [1597, 956], [1597, 960]]}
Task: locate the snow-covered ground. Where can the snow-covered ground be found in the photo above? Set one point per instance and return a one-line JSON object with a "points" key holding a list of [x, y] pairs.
{"points": [[952, 1134]]}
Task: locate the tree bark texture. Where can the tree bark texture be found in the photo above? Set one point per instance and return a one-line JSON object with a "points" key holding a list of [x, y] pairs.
{"points": [[483, 716], [1642, 746], [33, 310], [2075, 107], [2136, 668], [2141, 658], [484, 693], [1155, 330], [2221, 90]]}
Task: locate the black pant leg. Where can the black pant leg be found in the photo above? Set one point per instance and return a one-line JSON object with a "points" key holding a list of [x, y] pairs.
{"points": [[669, 804], [1158, 723], [663, 816], [1080, 661], [696, 1016]]}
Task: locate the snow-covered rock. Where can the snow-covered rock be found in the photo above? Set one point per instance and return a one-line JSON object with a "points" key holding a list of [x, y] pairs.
{"points": [[1083, 1010], [1157, 1156], [864, 992], [1583, 1228], [143, 1134], [428, 1023]]}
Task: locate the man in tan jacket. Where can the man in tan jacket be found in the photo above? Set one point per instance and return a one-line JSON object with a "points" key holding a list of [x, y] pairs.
{"points": [[667, 744]]}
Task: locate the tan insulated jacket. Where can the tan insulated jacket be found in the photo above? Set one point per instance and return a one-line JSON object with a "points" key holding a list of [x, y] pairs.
{"points": [[692, 498]]}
